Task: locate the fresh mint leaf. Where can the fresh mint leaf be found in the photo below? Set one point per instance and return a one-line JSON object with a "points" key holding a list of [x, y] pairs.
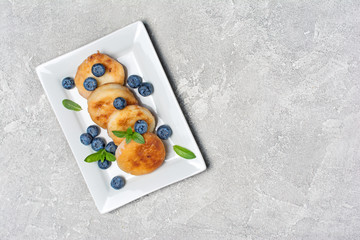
{"points": [[128, 139], [93, 157], [130, 135], [129, 131], [103, 155], [109, 156], [137, 137], [183, 152], [120, 134], [99, 155], [71, 105]]}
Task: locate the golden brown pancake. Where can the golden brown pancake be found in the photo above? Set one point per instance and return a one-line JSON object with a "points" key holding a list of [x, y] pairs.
{"points": [[114, 72], [121, 120], [139, 159], [100, 102]]}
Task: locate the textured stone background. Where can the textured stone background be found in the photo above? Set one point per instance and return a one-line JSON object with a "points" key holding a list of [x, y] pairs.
{"points": [[271, 90]]}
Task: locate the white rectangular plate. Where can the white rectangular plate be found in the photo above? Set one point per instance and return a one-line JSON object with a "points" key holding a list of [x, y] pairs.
{"points": [[132, 47]]}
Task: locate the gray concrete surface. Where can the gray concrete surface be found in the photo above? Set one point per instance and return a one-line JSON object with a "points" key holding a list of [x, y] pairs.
{"points": [[270, 88]]}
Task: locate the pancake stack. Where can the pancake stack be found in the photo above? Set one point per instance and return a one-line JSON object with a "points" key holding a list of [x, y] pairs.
{"points": [[133, 158]]}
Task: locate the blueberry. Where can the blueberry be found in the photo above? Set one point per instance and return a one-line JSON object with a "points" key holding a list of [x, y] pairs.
{"points": [[164, 132], [93, 130], [68, 83], [98, 70], [90, 84], [104, 165], [141, 126], [117, 182], [97, 144], [111, 147], [146, 89], [134, 81], [119, 103], [86, 138]]}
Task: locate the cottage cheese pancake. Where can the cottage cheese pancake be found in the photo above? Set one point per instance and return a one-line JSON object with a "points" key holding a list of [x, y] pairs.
{"points": [[114, 72], [100, 102], [121, 120], [139, 159]]}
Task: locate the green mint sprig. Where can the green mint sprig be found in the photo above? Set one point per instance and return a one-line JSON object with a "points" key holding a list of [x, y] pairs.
{"points": [[71, 105], [100, 155], [183, 152], [130, 135]]}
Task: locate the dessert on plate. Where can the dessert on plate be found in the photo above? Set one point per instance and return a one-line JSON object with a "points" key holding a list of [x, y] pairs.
{"points": [[114, 107], [121, 120], [139, 159], [101, 101], [98, 69]]}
